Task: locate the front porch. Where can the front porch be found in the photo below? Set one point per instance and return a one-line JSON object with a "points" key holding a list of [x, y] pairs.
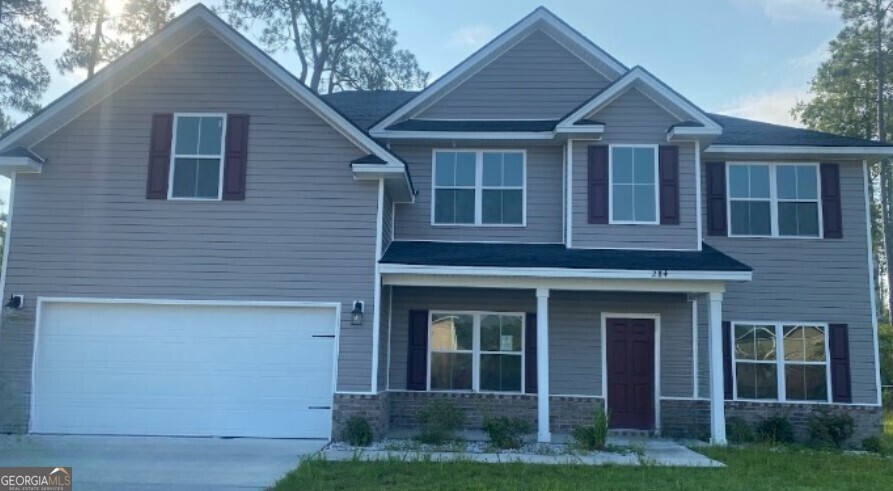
{"points": [[479, 350]]}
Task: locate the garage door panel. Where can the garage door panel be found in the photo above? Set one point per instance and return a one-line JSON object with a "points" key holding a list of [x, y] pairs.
{"points": [[184, 370]]}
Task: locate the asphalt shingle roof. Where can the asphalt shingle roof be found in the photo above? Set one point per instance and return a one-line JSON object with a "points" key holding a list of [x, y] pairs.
{"points": [[366, 108], [555, 256]]}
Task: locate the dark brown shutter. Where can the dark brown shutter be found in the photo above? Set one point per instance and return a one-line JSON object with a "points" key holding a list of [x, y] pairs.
{"points": [[727, 360], [668, 170], [832, 221], [236, 158], [417, 368], [838, 342], [716, 199], [598, 184], [159, 156], [530, 354]]}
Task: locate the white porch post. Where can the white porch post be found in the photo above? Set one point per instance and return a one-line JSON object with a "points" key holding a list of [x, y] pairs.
{"points": [[717, 391], [542, 365]]}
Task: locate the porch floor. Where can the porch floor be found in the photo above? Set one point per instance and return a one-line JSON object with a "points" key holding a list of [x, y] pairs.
{"points": [[638, 451]]}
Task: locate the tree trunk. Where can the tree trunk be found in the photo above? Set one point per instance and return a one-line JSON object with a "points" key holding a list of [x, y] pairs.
{"points": [[886, 178], [294, 13], [93, 56]]}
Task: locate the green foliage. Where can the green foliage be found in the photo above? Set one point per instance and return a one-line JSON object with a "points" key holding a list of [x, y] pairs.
{"points": [[357, 432], [875, 444], [439, 422], [774, 429], [506, 432], [828, 428], [24, 24], [885, 338], [738, 430], [340, 45], [594, 436]]}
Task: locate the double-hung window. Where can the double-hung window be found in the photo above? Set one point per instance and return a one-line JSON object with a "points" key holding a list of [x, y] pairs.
{"points": [[197, 159], [476, 351], [633, 175], [479, 188], [774, 200], [781, 361]]}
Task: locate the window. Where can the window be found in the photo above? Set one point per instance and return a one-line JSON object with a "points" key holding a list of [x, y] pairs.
{"points": [[633, 175], [476, 352], [786, 361], [197, 158], [774, 200], [479, 188]]}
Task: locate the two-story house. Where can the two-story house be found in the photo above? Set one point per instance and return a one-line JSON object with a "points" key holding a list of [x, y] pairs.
{"points": [[199, 245]]}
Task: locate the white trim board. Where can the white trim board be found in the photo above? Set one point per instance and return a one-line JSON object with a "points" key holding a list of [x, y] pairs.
{"points": [[502, 43], [594, 274], [797, 151]]}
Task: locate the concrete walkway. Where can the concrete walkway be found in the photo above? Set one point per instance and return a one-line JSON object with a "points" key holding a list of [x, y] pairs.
{"points": [[107, 463], [650, 451]]}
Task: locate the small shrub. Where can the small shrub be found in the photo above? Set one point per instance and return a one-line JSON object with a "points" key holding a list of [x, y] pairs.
{"points": [[738, 431], [830, 429], [438, 422], [594, 436], [506, 432], [357, 432], [875, 444], [775, 429]]}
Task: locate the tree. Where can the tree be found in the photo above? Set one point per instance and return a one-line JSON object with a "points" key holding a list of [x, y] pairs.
{"points": [[852, 93], [97, 37], [340, 44], [24, 24]]}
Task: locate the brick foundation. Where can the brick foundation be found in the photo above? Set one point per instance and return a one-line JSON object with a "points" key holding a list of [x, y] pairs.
{"points": [[374, 408], [685, 419], [867, 420]]}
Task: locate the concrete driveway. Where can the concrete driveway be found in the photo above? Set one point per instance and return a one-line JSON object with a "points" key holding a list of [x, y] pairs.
{"points": [[106, 463]]}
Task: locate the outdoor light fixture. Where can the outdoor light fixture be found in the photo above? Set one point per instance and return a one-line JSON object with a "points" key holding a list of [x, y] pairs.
{"points": [[356, 315], [15, 302]]}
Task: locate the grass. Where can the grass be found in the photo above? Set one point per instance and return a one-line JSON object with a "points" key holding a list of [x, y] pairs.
{"points": [[752, 468]]}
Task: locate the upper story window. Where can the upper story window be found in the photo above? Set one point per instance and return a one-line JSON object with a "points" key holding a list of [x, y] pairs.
{"points": [[781, 361], [774, 200], [197, 157], [633, 174], [479, 188]]}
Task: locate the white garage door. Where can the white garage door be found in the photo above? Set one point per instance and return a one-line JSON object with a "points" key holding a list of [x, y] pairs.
{"points": [[173, 369]]}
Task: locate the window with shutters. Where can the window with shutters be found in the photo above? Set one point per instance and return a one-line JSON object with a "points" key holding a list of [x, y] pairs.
{"points": [[633, 184], [774, 200], [781, 361], [476, 351], [197, 157], [483, 188]]}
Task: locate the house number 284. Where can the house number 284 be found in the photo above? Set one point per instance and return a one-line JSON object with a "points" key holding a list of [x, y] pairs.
{"points": [[657, 273]]}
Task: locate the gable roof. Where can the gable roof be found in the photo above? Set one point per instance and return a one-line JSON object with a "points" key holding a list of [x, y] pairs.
{"points": [[654, 89], [541, 18], [147, 53]]}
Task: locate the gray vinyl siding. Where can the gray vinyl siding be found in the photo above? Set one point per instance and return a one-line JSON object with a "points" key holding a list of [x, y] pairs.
{"points": [[633, 118], [84, 228], [538, 78], [383, 336], [387, 222], [818, 280], [544, 200], [575, 345]]}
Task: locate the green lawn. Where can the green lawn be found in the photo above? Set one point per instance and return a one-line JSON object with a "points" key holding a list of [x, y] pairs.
{"points": [[748, 469]]}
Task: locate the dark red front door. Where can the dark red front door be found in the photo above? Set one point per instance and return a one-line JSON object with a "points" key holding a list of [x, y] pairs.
{"points": [[630, 357]]}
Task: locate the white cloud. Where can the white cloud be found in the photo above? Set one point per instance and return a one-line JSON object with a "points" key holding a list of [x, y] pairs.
{"points": [[471, 36], [770, 106], [791, 10]]}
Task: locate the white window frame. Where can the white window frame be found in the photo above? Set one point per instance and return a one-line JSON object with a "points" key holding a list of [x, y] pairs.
{"points": [[780, 363], [476, 351], [174, 156], [611, 219], [479, 186], [774, 200]]}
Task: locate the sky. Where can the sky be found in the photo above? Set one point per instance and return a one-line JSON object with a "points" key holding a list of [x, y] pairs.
{"points": [[747, 58]]}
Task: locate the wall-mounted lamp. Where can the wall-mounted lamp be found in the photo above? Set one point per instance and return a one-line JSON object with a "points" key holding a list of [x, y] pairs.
{"points": [[15, 302], [356, 315]]}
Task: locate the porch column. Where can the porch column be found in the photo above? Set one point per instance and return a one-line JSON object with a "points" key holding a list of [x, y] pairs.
{"points": [[542, 365], [717, 391]]}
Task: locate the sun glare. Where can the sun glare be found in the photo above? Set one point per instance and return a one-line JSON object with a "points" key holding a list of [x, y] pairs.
{"points": [[115, 7]]}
